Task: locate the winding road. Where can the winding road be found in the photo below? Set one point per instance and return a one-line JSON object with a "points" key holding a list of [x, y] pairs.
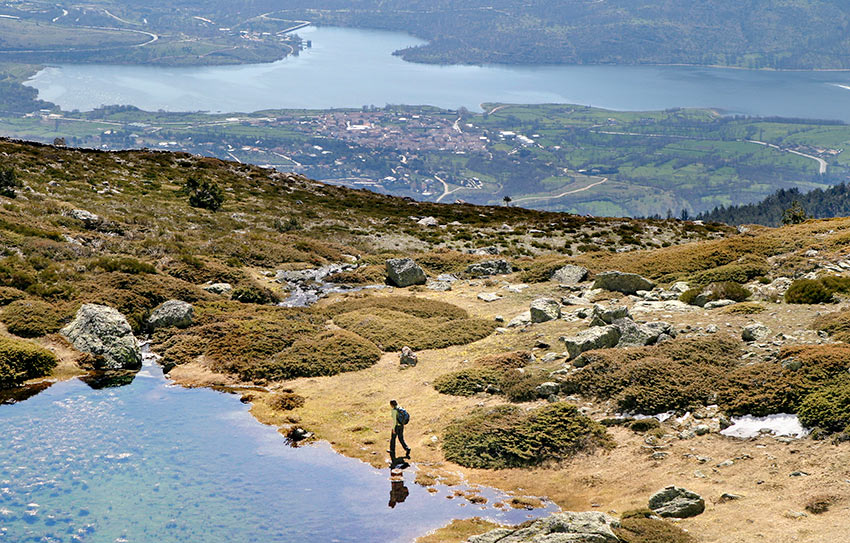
{"points": [[555, 197]]}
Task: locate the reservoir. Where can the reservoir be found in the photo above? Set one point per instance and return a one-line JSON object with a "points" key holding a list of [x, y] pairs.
{"points": [[353, 68], [154, 462]]}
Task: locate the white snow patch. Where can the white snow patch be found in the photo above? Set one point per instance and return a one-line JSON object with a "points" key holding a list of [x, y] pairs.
{"points": [[781, 424]]}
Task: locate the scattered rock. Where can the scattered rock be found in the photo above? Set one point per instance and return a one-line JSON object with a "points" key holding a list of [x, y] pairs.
{"points": [[89, 219], [602, 316], [218, 288], [798, 474], [489, 296], [102, 330], [627, 283], [570, 275], [567, 527], [403, 272], [728, 497], [520, 320], [447, 277], [483, 251], [172, 313], [545, 309], [428, 221], [718, 303], [547, 389], [408, 357], [676, 502], [702, 429], [439, 286], [755, 332], [599, 337], [633, 334], [490, 267], [667, 305], [680, 287]]}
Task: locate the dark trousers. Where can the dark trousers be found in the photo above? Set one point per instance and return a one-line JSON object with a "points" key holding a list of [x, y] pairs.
{"points": [[398, 432]]}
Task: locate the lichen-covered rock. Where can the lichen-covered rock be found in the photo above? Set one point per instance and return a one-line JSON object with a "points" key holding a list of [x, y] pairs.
{"points": [[89, 219], [755, 332], [676, 502], [627, 283], [602, 316], [570, 275], [219, 288], [567, 527], [490, 267], [545, 309], [633, 334], [172, 313], [404, 272], [103, 331], [544, 390], [408, 357], [599, 337]]}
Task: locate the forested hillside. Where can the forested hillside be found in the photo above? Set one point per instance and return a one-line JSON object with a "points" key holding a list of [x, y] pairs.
{"points": [[747, 33], [819, 203]]}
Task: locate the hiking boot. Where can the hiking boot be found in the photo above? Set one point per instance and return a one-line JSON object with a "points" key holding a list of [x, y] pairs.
{"points": [[408, 453]]}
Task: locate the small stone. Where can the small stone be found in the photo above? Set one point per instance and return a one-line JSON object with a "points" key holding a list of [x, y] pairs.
{"points": [[702, 429], [218, 288], [755, 332], [728, 497], [547, 389], [798, 474], [718, 303], [570, 275], [699, 475], [428, 221], [659, 455], [725, 463], [600, 337], [677, 502], [489, 296]]}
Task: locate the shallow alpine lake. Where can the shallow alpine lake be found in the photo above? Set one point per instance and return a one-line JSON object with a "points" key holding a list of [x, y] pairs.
{"points": [[154, 462], [352, 68]]}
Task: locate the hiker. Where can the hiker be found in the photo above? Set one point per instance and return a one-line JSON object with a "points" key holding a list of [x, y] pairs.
{"points": [[400, 418]]}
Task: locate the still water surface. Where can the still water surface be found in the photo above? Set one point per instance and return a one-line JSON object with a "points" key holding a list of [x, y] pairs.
{"points": [[352, 68], [153, 462]]}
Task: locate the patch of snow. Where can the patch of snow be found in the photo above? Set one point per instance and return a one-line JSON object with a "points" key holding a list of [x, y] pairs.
{"points": [[781, 424]]}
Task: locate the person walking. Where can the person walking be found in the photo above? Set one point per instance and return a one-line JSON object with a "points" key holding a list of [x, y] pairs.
{"points": [[400, 418]]}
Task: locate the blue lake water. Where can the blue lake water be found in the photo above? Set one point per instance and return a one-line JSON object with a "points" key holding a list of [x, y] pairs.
{"points": [[153, 462], [352, 68]]}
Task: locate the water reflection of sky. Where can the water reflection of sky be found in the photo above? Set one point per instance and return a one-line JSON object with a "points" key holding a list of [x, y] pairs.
{"points": [[352, 68], [154, 462]]}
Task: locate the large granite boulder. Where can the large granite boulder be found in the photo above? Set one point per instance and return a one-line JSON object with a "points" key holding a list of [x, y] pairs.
{"points": [[633, 334], [755, 332], [103, 331], [567, 527], [627, 283], [545, 309], [490, 267], [172, 313], [676, 502], [598, 337], [570, 275], [403, 272]]}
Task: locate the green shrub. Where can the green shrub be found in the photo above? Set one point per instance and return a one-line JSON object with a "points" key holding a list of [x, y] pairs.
{"points": [[364, 275], [510, 437], [22, 360], [644, 425], [122, 264], [9, 295], [254, 294], [835, 324], [31, 318], [327, 353], [808, 291], [467, 382], [8, 182], [828, 408], [391, 330], [715, 291], [742, 271], [204, 194], [505, 361], [286, 401], [520, 386], [649, 530]]}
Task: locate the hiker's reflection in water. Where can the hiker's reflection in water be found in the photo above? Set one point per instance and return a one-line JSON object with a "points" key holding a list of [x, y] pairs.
{"points": [[398, 492]]}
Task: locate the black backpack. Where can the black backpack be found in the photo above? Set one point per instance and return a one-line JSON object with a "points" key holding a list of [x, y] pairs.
{"points": [[403, 415]]}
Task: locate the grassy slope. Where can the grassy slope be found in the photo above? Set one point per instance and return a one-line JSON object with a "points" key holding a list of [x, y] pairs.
{"points": [[137, 193]]}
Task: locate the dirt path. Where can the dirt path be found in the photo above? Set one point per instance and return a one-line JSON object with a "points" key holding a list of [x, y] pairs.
{"points": [[574, 191]]}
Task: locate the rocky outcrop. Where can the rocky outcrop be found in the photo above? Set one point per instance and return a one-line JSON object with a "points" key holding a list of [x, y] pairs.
{"points": [[408, 357], [545, 309], [633, 334], [490, 267], [404, 272], [103, 331], [627, 283], [567, 527], [570, 275], [598, 337], [676, 502], [172, 313], [89, 219]]}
